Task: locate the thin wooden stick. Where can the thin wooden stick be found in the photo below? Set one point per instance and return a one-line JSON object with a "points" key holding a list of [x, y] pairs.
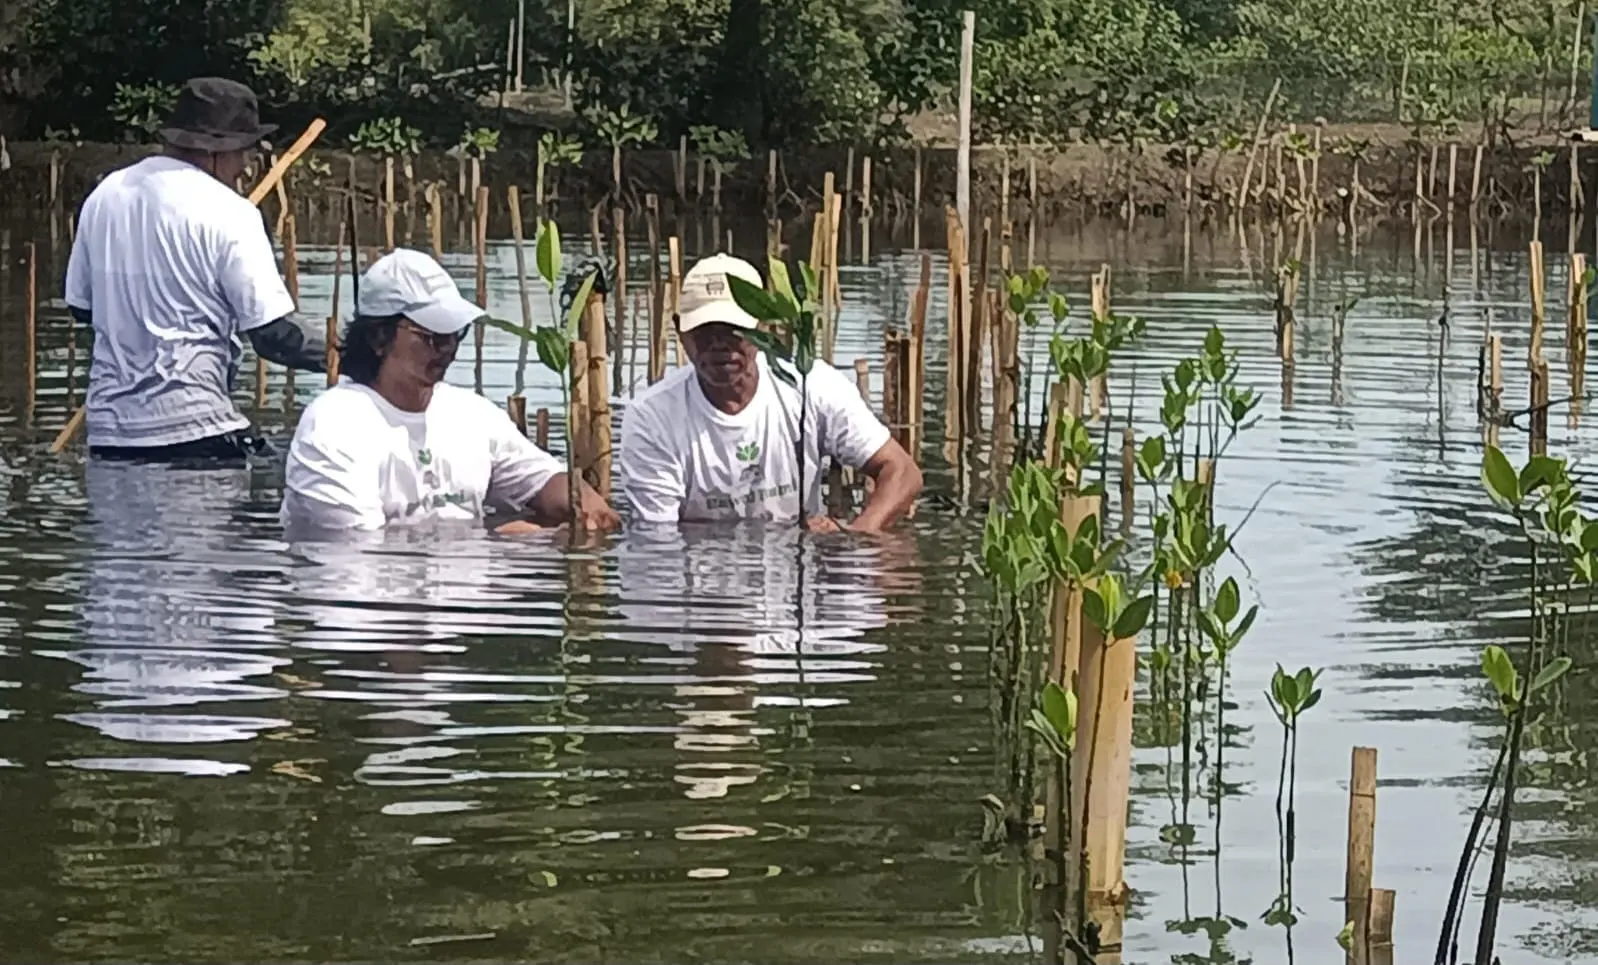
{"points": [[30, 332], [480, 244], [514, 200], [1361, 852]]}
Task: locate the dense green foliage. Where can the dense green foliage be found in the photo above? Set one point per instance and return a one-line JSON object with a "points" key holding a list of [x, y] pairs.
{"points": [[806, 71]]}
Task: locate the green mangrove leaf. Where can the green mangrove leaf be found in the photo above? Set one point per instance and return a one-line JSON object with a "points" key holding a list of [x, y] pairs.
{"points": [[1500, 671], [521, 332], [781, 286], [1555, 669], [574, 315], [1243, 625], [1096, 610], [1311, 700], [547, 252], [1212, 627], [1226, 601], [1540, 471], [554, 349], [1059, 308], [1151, 458], [1037, 278], [1040, 725], [1134, 618], [1059, 708], [1214, 341], [759, 302], [1499, 479], [807, 275]]}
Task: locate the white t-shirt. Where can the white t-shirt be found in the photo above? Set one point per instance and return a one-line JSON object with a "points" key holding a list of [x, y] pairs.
{"points": [[684, 459], [357, 462], [173, 265]]}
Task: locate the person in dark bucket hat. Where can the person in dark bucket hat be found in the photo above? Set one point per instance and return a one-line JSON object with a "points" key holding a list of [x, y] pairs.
{"points": [[216, 115], [169, 266]]}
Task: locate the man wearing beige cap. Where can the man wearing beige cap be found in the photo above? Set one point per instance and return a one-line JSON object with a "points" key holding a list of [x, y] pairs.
{"points": [[715, 440]]}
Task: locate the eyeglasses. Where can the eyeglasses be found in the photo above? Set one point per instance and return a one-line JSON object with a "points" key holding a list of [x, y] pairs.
{"points": [[437, 341]]}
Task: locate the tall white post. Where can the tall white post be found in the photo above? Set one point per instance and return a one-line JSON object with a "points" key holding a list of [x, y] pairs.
{"points": [[962, 184]]}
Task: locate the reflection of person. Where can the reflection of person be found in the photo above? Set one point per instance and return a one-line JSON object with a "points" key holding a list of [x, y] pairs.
{"points": [[717, 438], [728, 597], [393, 442], [177, 638], [169, 266]]}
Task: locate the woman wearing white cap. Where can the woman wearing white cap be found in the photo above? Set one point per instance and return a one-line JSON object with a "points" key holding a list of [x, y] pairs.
{"points": [[393, 442], [716, 439]]}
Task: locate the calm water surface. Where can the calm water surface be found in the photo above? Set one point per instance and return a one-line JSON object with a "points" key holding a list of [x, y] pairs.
{"points": [[716, 747]]}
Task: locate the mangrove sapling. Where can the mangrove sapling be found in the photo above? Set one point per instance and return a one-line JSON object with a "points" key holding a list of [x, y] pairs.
{"points": [[1290, 696], [554, 349], [792, 343], [1542, 501], [1024, 292]]}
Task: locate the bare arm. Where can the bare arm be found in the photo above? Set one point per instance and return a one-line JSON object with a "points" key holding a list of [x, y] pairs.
{"points": [[292, 343], [552, 506], [897, 481]]}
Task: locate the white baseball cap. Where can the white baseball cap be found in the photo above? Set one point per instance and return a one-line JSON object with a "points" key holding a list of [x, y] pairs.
{"points": [[409, 283], [707, 298]]}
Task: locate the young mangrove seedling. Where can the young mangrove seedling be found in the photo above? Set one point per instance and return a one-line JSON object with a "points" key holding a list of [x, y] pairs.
{"points": [[792, 343], [1290, 696], [554, 347]]}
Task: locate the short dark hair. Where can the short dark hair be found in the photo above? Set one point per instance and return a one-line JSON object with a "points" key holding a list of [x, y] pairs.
{"points": [[366, 340]]}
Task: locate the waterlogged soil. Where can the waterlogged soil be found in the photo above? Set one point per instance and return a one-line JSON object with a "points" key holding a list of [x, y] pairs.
{"points": [[215, 746]]}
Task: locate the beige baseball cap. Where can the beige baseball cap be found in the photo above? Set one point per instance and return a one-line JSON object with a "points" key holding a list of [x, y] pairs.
{"points": [[707, 297]]}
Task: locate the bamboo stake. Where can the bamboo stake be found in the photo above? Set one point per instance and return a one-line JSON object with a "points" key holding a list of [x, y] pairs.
{"points": [[1361, 852], [679, 352], [598, 396], [480, 243], [1538, 305], [578, 439], [516, 408], [435, 219], [1101, 771], [1539, 407], [1576, 336], [30, 333], [1475, 178], [865, 210], [954, 404], [388, 203], [332, 316], [513, 197], [915, 217], [973, 336], [892, 384], [1382, 901], [915, 370], [1128, 478], [618, 218], [1495, 384], [1453, 162], [658, 324], [1101, 310], [541, 432], [291, 281]]}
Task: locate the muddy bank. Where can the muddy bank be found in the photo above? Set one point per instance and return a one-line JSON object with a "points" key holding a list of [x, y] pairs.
{"points": [[1085, 178]]}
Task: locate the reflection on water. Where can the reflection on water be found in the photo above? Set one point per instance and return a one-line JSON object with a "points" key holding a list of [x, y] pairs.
{"points": [[722, 744]]}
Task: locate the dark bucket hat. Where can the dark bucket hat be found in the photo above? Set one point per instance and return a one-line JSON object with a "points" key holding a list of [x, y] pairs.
{"points": [[217, 115]]}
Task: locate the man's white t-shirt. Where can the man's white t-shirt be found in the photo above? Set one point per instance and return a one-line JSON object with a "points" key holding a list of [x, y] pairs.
{"points": [[359, 463], [174, 266], [684, 459]]}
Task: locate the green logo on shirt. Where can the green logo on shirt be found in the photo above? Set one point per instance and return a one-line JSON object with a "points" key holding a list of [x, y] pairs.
{"points": [[424, 457], [749, 452]]}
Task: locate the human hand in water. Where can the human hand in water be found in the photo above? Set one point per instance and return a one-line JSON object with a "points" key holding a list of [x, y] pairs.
{"points": [[823, 524], [518, 527]]}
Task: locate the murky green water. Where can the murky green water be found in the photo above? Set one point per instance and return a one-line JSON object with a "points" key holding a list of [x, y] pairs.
{"points": [[216, 748]]}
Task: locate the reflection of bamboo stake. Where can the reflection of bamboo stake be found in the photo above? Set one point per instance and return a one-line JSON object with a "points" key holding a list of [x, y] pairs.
{"points": [[480, 242], [598, 395], [514, 200], [1361, 852]]}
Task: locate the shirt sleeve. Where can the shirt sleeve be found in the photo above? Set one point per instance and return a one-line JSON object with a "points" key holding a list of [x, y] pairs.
{"points": [[326, 487], [651, 475], [249, 277], [79, 292], [850, 432], [520, 470]]}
